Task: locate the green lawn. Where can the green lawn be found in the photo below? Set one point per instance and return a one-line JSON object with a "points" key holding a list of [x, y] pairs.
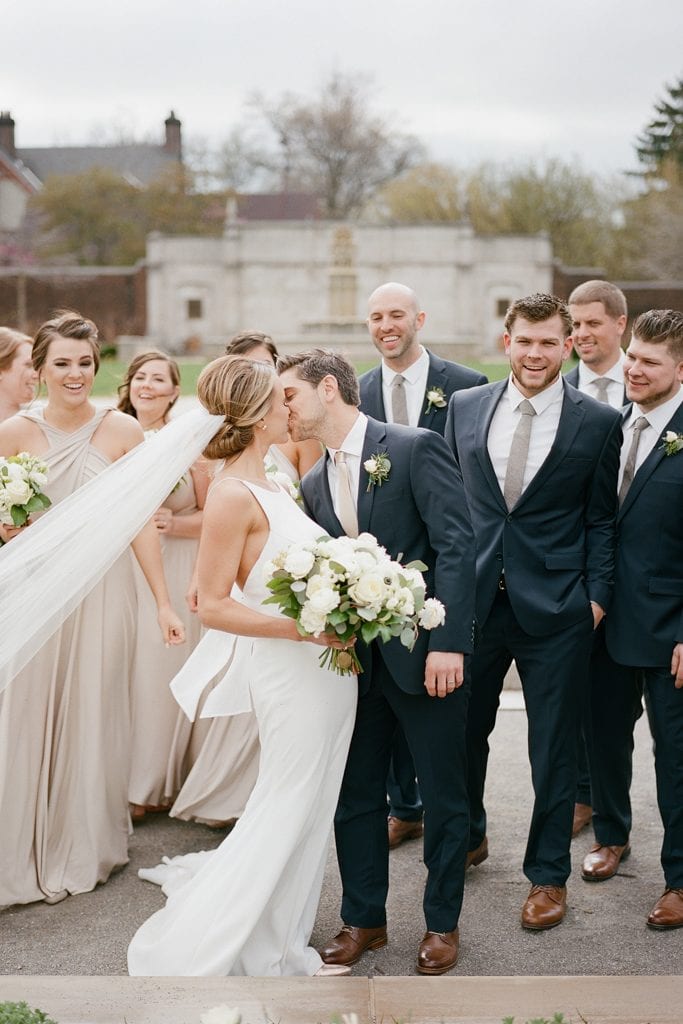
{"points": [[112, 370]]}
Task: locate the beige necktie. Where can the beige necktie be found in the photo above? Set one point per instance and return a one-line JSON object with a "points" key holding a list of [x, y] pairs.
{"points": [[601, 385], [399, 404], [630, 466], [519, 449], [346, 503]]}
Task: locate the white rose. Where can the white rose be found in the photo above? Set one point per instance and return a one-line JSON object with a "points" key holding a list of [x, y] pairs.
{"points": [[321, 594], [370, 465], [311, 619], [433, 614], [670, 436], [298, 563], [18, 491], [405, 602], [221, 1015], [37, 478], [369, 591]]}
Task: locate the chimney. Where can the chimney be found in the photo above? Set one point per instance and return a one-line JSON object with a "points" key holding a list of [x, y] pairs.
{"points": [[7, 133], [173, 144]]}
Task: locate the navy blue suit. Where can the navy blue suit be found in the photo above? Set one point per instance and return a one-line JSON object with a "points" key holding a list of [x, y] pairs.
{"points": [[556, 550], [419, 512], [644, 624], [404, 796]]}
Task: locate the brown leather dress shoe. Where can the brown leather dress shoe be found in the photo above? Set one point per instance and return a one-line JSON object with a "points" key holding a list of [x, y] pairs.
{"points": [[583, 815], [667, 911], [601, 862], [349, 945], [438, 952], [545, 907], [478, 856], [399, 831]]}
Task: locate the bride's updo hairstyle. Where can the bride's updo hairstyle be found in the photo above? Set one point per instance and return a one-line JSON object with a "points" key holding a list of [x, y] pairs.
{"points": [[240, 390]]}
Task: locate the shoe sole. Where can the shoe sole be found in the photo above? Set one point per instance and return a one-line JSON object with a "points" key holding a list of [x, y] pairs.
{"points": [[605, 878], [479, 859], [375, 944], [436, 970], [541, 927], [406, 838]]}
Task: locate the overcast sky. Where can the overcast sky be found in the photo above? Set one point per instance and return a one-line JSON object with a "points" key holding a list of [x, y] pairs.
{"points": [[498, 79]]}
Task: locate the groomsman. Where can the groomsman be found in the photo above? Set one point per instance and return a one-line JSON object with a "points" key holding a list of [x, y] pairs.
{"points": [[419, 512], [599, 314], [410, 386], [644, 630], [539, 462]]}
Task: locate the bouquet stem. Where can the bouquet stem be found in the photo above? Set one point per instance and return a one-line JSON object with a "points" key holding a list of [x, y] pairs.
{"points": [[344, 663]]}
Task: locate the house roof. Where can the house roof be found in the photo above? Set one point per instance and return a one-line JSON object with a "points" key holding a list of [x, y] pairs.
{"points": [[17, 172], [138, 163]]}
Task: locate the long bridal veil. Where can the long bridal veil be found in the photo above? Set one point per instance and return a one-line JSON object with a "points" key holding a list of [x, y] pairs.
{"points": [[46, 571]]}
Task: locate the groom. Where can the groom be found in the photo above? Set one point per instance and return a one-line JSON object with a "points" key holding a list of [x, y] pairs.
{"points": [[418, 511]]}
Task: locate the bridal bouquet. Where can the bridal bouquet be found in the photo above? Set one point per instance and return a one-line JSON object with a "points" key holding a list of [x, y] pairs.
{"points": [[351, 587], [22, 478]]}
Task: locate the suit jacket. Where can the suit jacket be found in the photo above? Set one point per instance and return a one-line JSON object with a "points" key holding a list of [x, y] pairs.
{"points": [[556, 545], [573, 378], [646, 617], [442, 374], [419, 512]]}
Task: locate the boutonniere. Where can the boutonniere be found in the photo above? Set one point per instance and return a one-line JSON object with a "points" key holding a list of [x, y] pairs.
{"points": [[672, 443], [378, 467], [436, 399]]}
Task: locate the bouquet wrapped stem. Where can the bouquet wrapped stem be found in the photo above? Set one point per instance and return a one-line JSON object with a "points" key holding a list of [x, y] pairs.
{"points": [[352, 589]]}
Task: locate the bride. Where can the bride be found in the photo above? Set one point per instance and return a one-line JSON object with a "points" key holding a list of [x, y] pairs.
{"points": [[248, 908]]}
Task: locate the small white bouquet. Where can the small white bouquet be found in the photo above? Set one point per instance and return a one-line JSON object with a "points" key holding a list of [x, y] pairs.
{"points": [[276, 476], [352, 588], [22, 478]]}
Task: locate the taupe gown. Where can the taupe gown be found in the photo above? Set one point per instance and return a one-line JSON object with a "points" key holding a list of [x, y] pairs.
{"points": [[65, 723], [164, 741]]}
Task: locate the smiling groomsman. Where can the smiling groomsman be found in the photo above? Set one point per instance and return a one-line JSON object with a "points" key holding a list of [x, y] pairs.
{"points": [[410, 386], [539, 463], [644, 630]]}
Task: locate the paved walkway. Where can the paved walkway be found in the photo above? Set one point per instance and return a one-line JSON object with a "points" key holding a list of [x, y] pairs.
{"points": [[604, 933]]}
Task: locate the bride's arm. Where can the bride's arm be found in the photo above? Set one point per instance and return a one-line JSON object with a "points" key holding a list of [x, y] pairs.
{"points": [[233, 533]]}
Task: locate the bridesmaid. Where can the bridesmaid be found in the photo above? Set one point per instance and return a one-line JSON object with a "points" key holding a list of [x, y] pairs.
{"points": [[65, 718], [18, 379], [163, 740], [224, 772]]}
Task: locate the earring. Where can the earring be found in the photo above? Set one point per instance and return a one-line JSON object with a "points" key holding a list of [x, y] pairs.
{"points": [[263, 425]]}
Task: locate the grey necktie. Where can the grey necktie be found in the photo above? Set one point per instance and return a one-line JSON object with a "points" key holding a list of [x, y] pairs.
{"points": [[630, 466], [346, 511], [399, 404], [601, 385], [519, 449]]}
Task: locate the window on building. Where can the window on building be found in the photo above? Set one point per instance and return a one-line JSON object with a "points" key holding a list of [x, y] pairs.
{"points": [[194, 309], [502, 306]]}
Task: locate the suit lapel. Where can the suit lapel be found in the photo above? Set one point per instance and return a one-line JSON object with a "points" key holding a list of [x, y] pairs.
{"points": [[436, 378], [375, 440], [571, 418], [648, 467], [374, 400], [321, 483], [485, 413]]}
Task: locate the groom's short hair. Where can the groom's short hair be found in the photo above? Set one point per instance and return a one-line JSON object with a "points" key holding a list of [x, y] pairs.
{"points": [[317, 363]]}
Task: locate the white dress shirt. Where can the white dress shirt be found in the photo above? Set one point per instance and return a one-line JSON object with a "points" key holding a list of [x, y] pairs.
{"points": [[547, 406], [415, 387], [616, 395], [650, 436], [352, 446]]}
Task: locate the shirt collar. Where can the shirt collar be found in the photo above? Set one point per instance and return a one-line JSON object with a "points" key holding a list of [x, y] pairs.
{"points": [[616, 372], [412, 373], [354, 440], [542, 401]]}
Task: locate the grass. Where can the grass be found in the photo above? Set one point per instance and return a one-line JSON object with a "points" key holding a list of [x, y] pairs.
{"points": [[112, 370]]}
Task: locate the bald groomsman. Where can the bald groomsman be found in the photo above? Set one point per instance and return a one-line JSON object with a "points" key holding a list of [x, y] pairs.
{"points": [[411, 386]]}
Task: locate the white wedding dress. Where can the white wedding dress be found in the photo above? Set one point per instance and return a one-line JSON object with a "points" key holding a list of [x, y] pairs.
{"points": [[248, 907]]}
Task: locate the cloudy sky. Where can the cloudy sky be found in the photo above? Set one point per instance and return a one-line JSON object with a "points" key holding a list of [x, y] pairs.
{"points": [[495, 79]]}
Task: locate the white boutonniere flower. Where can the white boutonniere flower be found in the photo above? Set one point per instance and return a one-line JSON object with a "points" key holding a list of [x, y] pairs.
{"points": [[672, 443], [378, 467], [436, 399]]}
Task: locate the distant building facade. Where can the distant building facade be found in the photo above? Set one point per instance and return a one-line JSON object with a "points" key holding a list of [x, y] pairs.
{"points": [[307, 282]]}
